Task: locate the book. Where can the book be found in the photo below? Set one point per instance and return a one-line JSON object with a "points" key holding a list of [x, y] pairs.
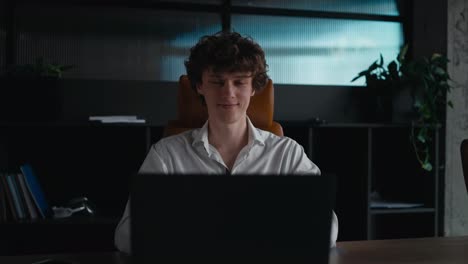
{"points": [[16, 198], [3, 203], [28, 200], [35, 190], [11, 211]]}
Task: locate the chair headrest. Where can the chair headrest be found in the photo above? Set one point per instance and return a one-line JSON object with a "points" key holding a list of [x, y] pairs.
{"points": [[192, 113]]}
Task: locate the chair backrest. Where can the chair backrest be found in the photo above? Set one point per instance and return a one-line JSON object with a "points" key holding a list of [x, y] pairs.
{"points": [[191, 113], [464, 159]]}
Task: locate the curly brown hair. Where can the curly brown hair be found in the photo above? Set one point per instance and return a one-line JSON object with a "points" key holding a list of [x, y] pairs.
{"points": [[227, 52]]}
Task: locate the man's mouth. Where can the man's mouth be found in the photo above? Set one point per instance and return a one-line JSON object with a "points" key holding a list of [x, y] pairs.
{"points": [[228, 105]]}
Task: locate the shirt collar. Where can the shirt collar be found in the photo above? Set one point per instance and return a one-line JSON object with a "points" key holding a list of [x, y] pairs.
{"points": [[200, 136], [254, 134]]}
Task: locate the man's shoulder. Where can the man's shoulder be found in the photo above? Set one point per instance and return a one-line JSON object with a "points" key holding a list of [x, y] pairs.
{"points": [[180, 139], [270, 138]]}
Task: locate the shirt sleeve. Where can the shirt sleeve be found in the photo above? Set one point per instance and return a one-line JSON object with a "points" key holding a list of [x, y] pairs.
{"points": [[334, 230], [298, 161], [153, 163]]}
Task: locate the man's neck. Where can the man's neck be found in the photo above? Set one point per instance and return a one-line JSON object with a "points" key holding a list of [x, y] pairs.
{"points": [[229, 137]]}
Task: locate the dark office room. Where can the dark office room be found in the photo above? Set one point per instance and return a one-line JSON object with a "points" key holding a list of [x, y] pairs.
{"points": [[372, 94]]}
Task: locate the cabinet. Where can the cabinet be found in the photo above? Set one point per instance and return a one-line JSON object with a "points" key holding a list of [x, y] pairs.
{"points": [[73, 160], [98, 161], [371, 161]]}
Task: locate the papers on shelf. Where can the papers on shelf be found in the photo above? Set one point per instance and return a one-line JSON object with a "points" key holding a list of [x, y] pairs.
{"points": [[378, 202], [116, 119], [394, 205]]}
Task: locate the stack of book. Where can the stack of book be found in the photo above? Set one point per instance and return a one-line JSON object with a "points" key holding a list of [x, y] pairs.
{"points": [[21, 196], [117, 119]]}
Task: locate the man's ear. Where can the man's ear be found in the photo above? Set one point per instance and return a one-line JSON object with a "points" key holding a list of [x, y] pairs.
{"points": [[199, 90], [253, 92]]}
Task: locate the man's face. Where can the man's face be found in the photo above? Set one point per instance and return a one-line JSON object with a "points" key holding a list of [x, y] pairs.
{"points": [[227, 95]]}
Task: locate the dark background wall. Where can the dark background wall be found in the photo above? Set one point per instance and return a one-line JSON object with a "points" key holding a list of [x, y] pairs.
{"points": [[155, 100]]}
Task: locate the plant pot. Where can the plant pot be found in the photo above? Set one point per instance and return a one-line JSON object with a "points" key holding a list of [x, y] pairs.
{"points": [[403, 111], [384, 109], [30, 100]]}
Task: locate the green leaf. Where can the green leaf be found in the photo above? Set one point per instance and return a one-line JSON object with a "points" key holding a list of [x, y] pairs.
{"points": [[381, 60], [373, 66], [436, 56], [450, 104], [439, 71], [393, 69], [422, 135], [402, 54], [363, 73], [421, 139], [427, 166]]}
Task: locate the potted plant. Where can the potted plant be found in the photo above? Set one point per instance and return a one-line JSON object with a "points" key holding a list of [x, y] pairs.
{"points": [[40, 69], [383, 83], [428, 83], [30, 92]]}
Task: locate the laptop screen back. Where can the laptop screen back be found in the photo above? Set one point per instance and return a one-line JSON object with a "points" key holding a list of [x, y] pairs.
{"points": [[220, 218]]}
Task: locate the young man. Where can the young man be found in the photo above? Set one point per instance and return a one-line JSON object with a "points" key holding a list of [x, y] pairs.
{"points": [[226, 70]]}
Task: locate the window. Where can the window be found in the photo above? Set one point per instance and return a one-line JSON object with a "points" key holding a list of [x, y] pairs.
{"points": [[327, 43], [307, 42], [124, 44], [320, 51], [375, 7]]}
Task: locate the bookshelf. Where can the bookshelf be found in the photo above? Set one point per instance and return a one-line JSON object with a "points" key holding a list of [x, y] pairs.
{"points": [[98, 160], [73, 160], [370, 159]]}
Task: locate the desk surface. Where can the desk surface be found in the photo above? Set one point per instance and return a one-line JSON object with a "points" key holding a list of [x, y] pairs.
{"points": [[410, 251]]}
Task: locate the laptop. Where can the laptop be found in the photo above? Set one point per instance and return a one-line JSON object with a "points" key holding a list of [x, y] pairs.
{"points": [[231, 218]]}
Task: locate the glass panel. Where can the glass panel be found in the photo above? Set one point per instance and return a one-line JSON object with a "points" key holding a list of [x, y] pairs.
{"points": [[216, 2], [129, 44], [320, 51], [2, 51], [376, 7]]}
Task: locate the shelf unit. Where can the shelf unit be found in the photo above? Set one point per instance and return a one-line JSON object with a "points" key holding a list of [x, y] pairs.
{"points": [[73, 160], [97, 161], [369, 158]]}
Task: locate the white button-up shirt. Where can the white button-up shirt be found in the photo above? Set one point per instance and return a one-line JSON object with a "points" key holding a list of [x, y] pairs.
{"points": [[190, 152], [265, 153]]}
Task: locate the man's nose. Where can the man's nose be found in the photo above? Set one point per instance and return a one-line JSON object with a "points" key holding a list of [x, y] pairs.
{"points": [[228, 88]]}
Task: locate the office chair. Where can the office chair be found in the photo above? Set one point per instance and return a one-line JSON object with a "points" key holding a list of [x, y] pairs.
{"points": [[192, 114], [464, 159]]}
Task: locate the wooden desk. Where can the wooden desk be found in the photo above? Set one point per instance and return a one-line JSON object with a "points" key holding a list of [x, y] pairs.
{"points": [[410, 251], [442, 250]]}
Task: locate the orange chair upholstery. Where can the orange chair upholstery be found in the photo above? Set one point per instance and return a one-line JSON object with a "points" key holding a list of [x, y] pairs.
{"points": [[192, 114]]}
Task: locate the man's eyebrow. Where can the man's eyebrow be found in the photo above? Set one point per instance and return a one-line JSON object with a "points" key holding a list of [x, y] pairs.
{"points": [[214, 76], [219, 76]]}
